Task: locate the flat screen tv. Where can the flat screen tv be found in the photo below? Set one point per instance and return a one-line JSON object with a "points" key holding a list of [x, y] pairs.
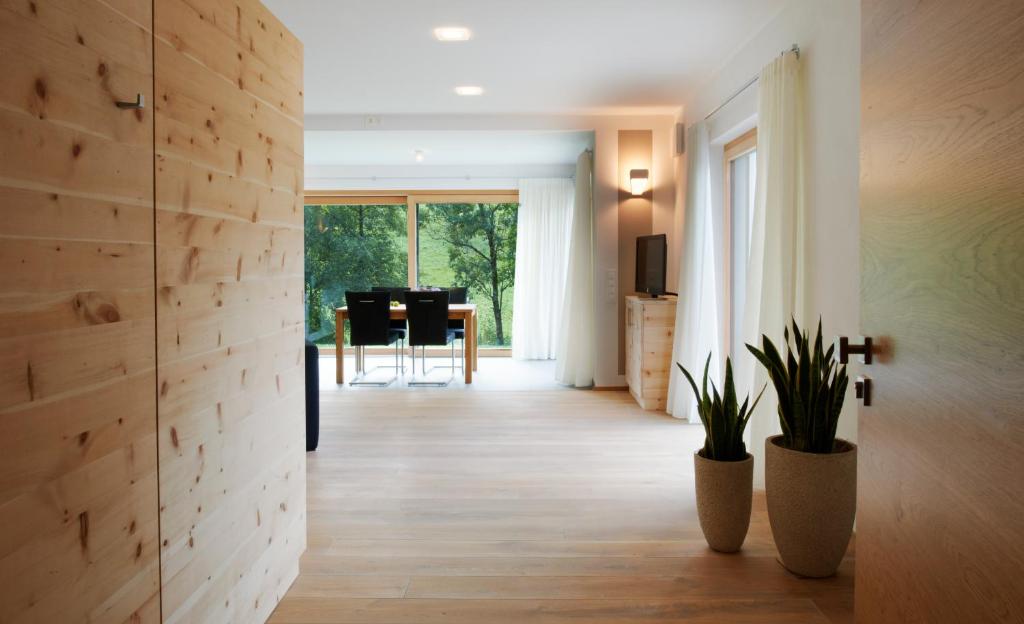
{"points": [[651, 255]]}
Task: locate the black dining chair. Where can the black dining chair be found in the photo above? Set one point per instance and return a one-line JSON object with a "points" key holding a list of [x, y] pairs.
{"points": [[397, 296], [369, 316], [427, 312]]}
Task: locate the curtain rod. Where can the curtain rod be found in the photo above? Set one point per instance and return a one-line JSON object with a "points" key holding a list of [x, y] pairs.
{"points": [[795, 49]]}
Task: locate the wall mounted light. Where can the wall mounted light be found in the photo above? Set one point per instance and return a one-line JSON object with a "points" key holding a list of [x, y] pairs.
{"points": [[469, 90], [418, 155], [639, 181]]}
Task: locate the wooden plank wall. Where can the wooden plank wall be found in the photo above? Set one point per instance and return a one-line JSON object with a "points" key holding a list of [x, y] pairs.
{"points": [[229, 274], [78, 458]]}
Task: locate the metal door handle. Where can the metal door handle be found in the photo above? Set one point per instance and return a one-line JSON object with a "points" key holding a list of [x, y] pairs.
{"points": [[843, 349], [140, 102], [862, 387]]}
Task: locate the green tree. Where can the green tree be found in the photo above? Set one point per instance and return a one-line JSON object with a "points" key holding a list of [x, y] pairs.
{"points": [[481, 241], [350, 248]]}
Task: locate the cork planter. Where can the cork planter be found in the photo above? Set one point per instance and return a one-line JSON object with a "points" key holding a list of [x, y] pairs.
{"points": [[812, 500], [724, 489]]}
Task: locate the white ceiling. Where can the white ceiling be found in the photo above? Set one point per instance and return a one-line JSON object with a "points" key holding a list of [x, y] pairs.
{"points": [[444, 148], [531, 56]]}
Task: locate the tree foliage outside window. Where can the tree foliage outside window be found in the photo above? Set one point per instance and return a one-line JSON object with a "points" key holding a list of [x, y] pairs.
{"points": [[472, 245], [350, 248], [356, 247]]}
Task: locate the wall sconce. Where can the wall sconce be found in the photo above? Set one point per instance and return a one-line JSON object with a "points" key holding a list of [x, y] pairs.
{"points": [[639, 180]]}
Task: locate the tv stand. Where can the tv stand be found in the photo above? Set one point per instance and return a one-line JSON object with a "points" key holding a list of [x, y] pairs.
{"points": [[650, 327]]}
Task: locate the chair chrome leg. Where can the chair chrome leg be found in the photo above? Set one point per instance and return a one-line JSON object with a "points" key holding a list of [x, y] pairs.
{"points": [[425, 372], [362, 373]]}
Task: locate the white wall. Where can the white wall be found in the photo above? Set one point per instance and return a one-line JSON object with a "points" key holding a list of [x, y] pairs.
{"points": [[606, 177], [828, 33]]}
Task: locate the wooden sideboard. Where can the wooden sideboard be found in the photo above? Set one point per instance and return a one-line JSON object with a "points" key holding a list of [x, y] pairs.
{"points": [[650, 324]]}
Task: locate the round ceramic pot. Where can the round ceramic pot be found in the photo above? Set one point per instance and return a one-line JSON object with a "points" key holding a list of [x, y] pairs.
{"points": [[812, 501], [724, 489]]}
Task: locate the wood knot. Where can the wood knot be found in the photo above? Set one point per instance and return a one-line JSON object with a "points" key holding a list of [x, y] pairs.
{"points": [[83, 438], [76, 149], [101, 69], [40, 88], [174, 435], [83, 530], [31, 381]]}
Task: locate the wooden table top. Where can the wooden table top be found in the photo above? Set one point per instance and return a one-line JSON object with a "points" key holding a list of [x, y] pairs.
{"points": [[455, 310]]}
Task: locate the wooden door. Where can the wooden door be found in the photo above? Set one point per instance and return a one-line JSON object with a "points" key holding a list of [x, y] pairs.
{"points": [[78, 484], [941, 482]]}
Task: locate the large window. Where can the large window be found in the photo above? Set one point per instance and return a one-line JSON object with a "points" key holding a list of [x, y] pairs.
{"points": [[472, 245], [417, 240], [740, 174], [350, 247]]}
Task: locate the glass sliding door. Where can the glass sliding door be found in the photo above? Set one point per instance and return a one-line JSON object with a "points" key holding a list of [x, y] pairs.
{"points": [[471, 244], [350, 247], [740, 175]]}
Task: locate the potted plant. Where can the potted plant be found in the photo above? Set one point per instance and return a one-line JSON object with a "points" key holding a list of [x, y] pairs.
{"points": [[723, 469], [810, 475]]}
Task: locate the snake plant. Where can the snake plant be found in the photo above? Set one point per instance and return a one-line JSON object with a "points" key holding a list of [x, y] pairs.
{"points": [[723, 421], [811, 390]]}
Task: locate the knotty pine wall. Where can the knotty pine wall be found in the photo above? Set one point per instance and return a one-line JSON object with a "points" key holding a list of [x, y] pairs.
{"points": [[78, 458], [151, 320], [229, 278]]}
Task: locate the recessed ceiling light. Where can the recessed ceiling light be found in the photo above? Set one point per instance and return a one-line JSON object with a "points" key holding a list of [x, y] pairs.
{"points": [[418, 155], [469, 90], [452, 33]]}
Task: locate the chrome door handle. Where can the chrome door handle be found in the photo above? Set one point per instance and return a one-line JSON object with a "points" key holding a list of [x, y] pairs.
{"points": [[140, 102], [843, 349]]}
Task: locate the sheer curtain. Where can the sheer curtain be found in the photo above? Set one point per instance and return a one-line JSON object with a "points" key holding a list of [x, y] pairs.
{"points": [[542, 235], [575, 341], [776, 271], [699, 328]]}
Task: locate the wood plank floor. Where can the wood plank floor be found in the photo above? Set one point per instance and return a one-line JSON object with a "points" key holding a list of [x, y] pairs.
{"points": [[471, 506]]}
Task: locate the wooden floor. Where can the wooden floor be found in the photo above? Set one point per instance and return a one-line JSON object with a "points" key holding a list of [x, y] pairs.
{"points": [[485, 507]]}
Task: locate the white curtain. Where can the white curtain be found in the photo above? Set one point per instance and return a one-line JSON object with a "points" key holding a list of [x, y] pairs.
{"points": [[699, 327], [542, 235], [776, 272], [575, 340]]}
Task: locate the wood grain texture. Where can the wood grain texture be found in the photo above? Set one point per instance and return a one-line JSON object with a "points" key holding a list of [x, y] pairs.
{"points": [[465, 505], [942, 219], [650, 325], [78, 480], [229, 265]]}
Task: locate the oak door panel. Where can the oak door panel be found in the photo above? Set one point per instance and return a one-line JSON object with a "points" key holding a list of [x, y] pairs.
{"points": [[940, 502]]}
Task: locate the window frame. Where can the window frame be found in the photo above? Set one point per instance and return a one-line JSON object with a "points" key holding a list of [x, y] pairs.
{"points": [[410, 198], [736, 148]]}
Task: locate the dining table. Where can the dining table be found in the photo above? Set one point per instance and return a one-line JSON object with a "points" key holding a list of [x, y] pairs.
{"points": [[465, 312]]}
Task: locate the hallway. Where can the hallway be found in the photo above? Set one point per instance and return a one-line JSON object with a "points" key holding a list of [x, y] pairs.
{"points": [[474, 505]]}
